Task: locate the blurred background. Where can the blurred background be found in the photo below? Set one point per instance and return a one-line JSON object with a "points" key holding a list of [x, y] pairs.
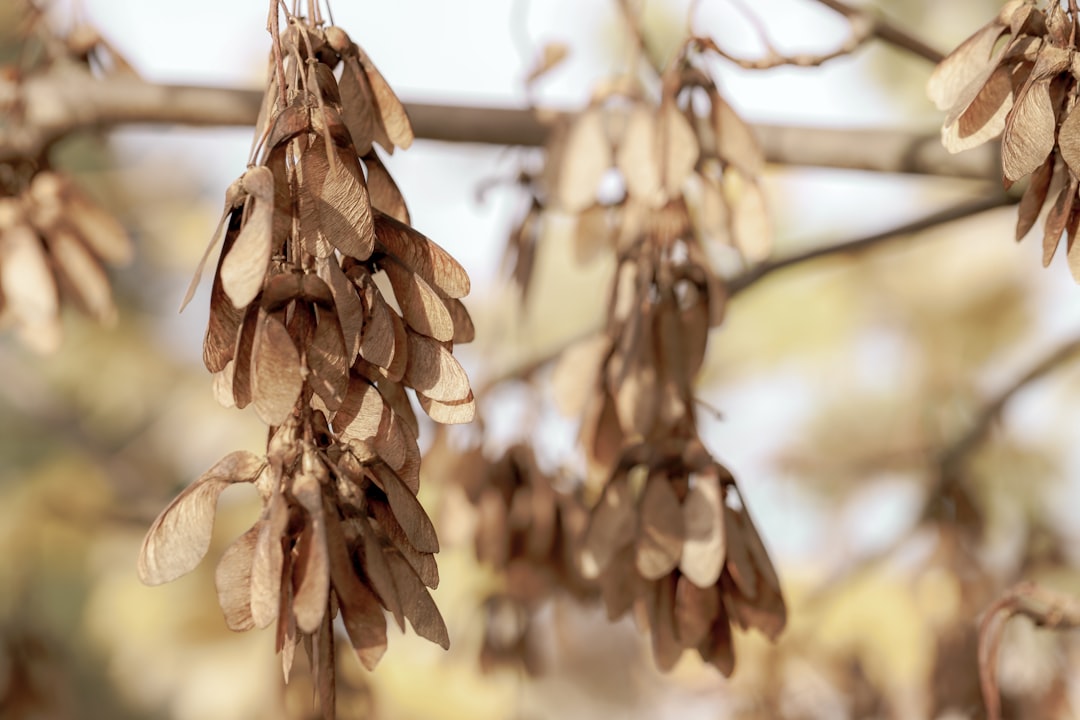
{"points": [[840, 385]]}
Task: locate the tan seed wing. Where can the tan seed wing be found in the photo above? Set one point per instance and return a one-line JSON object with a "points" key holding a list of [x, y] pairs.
{"points": [[328, 360], [1056, 219], [244, 268], [1069, 141], [955, 73], [661, 611], [423, 563], [384, 192], [736, 142], [436, 266], [378, 344], [338, 199], [660, 529], [101, 232], [268, 563], [636, 156], [276, 380], [311, 573], [358, 103], [696, 609], [717, 648], [219, 343], [678, 148], [180, 536], [419, 608], [421, 307], [232, 578], [1029, 131], [392, 115], [360, 415], [433, 371], [241, 363], [1035, 196], [453, 413], [360, 609], [349, 308], [407, 509], [575, 373], [611, 527], [752, 224], [703, 516], [984, 117], [464, 330], [377, 572], [28, 287], [395, 396], [620, 584], [82, 275], [585, 157]]}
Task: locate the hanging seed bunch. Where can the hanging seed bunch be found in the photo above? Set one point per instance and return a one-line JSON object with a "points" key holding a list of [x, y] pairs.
{"points": [[1017, 77], [54, 244], [660, 153], [668, 534], [671, 538], [530, 531], [54, 241], [326, 305]]}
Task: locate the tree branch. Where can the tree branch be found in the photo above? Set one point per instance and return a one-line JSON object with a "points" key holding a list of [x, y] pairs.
{"points": [[885, 31], [741, 282], [48, 107]]}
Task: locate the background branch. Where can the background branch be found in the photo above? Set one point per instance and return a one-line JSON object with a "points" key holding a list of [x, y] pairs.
{"points": [[67, 100], [886, 31]]}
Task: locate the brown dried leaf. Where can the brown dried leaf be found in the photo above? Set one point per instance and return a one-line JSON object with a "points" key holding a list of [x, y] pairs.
{"points": [[705, 548], [276, 379], [334, 201], [180, 536], [696, 609], [612, 525], [660, 529], [1029, 131], [419, 608], [433, 371], [232, 578], [421, 307], [416, 252], [360, 609], [28, 288], [244, 268]]}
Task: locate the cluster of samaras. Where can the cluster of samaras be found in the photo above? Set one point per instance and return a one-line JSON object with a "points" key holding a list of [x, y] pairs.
{"points": [[303, 329], [1017, 76], [54, 241], [668, 534]]}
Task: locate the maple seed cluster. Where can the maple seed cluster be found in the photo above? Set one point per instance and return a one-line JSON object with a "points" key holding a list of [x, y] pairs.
{"points": [[326, 305], [55, 242], [1017, 76], [667, 534]]}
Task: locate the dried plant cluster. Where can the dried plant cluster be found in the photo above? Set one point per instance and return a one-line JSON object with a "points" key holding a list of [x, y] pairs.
{"points": [[667, 533], [1017, 77], [55, 242], [303, 328]]}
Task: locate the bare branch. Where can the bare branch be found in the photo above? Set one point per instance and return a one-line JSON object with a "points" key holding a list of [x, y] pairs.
{"points": [[70, 100], [886, 31], [1045, 607], [740, 282]]}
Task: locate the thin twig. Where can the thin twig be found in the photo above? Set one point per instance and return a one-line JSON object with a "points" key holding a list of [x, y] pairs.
{"points": [[886, 31], [974, 207]]}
